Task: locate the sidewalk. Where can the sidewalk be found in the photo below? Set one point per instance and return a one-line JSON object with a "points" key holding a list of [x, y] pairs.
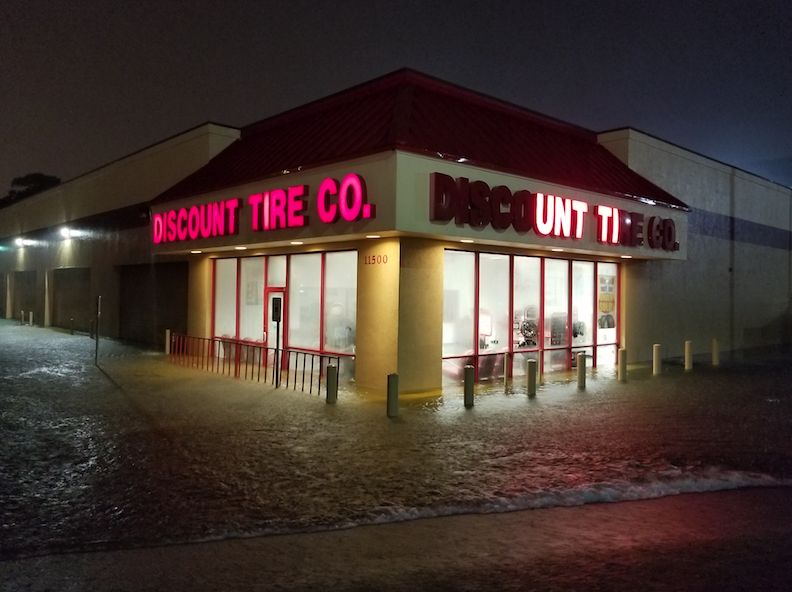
{"points": [[735, 540]]}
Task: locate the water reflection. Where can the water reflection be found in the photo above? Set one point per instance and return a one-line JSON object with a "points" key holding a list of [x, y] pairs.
{"points": [[143, 452]]}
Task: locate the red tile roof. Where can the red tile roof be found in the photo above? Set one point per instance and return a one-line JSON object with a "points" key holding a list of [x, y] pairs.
{"points": [[409, 111]]}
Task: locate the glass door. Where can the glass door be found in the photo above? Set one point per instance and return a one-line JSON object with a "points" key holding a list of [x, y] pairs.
{"points": [[275, 313], [275, 335]]}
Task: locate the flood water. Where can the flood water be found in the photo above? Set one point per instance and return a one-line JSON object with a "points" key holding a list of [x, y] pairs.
{"points": [[139, 452]]}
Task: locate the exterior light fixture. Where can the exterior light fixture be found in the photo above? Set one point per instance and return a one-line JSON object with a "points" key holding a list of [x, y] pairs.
{"points": [[19, 242], [626, 256], [196, 252], [296, 242], [241, 248], [466, 240], [65, 233], [557, 250]]}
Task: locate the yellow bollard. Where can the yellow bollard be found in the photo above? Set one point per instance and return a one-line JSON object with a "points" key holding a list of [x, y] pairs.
{"points": [[531, 373], [470, 376], [657, 365]]}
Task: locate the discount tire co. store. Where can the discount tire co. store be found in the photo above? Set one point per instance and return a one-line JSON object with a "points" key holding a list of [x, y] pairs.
{"points": [[414, 227]]}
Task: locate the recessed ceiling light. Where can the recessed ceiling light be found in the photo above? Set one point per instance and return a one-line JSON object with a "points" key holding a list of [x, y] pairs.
{"points": [[626, 256], [372, 236], [557, 250], [296, 242], [196, 252], [466, 240], [240, 248]]}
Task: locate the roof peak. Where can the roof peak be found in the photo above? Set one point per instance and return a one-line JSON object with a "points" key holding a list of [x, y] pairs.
{"points": [[409, 77]]}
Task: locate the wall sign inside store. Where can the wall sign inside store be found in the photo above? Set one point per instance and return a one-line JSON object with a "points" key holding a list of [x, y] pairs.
{"points": [[270, 210], [476, 204]]}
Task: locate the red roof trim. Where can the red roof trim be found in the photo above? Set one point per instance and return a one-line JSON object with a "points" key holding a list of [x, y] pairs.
{"points": [[419, 114]]}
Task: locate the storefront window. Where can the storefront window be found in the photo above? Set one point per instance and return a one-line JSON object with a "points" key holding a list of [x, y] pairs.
{"points": [[251, 299], [340, 305], [304, 301], [526, 324], [606, 356], [607, 306], [459, 288], [494, 321], [559, 308], [276, 271], [582, 303], [225, 295], [556, 302]]}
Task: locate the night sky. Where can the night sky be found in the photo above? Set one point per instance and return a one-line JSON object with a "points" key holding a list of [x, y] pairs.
{"points": [[85, 82]]}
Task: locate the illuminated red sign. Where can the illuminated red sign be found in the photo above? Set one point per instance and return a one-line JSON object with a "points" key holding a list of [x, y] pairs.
{"points": [[279, 208], [476, 204], [204, 221]]}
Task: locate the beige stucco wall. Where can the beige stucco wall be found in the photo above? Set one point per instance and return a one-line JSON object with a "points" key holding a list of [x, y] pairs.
{"points": [[737, 292], [132, 180], [420, 315], [377, 346], [199, 298]]}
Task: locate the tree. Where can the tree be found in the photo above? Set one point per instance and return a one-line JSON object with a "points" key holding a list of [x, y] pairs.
{"points": [[27, 185]]}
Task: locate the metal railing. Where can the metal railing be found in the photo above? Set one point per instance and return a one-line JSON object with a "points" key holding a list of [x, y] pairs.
{"points": [[254, 361]]}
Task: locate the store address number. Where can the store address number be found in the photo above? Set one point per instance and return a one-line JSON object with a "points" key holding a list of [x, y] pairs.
{"points": [[375, 259]]}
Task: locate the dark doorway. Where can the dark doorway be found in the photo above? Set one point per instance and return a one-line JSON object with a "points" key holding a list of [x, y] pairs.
{"points": [[25, 294], [71, 298], [153, 299]]}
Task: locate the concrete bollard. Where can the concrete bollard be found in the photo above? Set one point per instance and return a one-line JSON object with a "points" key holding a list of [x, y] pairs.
{"points": [[167, 342], [688, 355], [21, 317], [30, 319], [622, 369], [470, 378], [332, 384], [657, 366], [393, 395], [581, 370], [715, 353], [530, 371]]}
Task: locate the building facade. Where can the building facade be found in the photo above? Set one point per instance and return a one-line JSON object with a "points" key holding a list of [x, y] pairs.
{"points": [[411, 226]]}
